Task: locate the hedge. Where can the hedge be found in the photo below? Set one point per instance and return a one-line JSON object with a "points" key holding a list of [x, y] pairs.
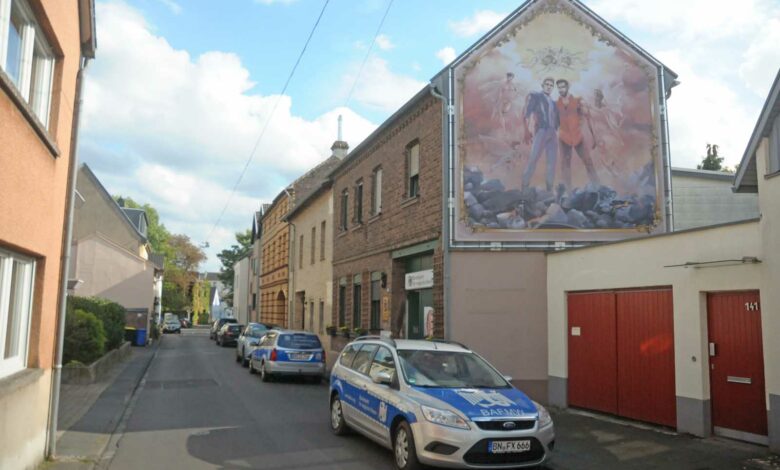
{"points": [[85, 340], [111, 315]]}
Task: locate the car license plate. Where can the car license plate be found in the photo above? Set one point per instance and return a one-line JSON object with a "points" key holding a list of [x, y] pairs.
{"points": [[509, 447], [300, 356]]}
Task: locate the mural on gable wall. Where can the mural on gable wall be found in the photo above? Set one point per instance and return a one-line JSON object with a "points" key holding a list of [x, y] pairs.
{"points": [[558, 133]]}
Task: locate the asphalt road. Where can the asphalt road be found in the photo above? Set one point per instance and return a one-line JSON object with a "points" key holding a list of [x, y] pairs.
{"points": [[198, 408]]}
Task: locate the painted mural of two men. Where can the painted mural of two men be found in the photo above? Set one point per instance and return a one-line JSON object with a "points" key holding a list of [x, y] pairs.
{"points": [[557, 124]]}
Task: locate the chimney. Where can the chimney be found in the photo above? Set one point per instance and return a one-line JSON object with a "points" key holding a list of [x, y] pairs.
{"points": [[339, 147]]}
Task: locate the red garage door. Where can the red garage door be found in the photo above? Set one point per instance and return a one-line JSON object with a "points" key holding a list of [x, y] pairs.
{"points": [[626, 366]]}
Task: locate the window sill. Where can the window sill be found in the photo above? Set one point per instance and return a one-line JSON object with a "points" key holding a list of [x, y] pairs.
{"points": [[410, 201], [10, 89], [342, 233], [18, 380], [769, 176], [356, 227], [374, 218]]}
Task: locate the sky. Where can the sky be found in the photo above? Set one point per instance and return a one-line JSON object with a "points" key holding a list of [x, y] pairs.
{"points": [[183, 92]]}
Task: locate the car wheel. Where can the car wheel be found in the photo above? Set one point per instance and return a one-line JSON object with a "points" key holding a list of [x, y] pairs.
{"points": [[403, 448], [244, 360], [252, 367], [264, 376], [337, 423]]}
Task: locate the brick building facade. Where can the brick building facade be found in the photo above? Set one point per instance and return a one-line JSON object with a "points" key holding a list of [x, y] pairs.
{"points": [[387, 223], [274, 263]]}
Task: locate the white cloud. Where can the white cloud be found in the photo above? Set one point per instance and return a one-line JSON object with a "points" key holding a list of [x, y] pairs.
{"points": [[762, 58], [480, 22], [384, 43], [175, 130], [379, 87], [446, 55], [173, 6]]}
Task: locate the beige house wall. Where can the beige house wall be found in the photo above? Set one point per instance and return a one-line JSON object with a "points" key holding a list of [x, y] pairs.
{"points": [[498, 308], [111, 272], [769, 202], [23, 418], [647, 263], [95, 214]]}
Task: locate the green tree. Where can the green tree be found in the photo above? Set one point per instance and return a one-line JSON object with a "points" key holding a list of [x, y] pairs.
{"points": [[229, 257], [712, 161]]}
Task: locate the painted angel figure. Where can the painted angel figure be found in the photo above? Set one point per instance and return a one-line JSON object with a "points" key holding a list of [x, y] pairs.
{"points": [[503, 94]]}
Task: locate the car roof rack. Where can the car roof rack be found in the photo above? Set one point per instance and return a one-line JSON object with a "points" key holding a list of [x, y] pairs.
{"points": [[389, 341], [448, 341]]}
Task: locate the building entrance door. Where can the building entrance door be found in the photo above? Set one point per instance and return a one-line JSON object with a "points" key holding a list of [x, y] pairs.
{"points": [[737, 366], [417, 303]]}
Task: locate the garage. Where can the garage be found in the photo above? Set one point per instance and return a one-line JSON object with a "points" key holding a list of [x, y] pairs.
{"points": [[621, 353]]}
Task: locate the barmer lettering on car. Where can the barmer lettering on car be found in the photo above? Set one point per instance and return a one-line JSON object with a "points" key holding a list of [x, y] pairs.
{"points": [[503, 402]]}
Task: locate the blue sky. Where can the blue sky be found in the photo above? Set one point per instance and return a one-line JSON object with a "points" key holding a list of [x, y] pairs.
{"points": [[180, 89]]}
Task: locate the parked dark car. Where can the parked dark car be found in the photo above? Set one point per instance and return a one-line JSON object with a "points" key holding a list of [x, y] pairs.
{"points": [[218, 324], [228, 334]]}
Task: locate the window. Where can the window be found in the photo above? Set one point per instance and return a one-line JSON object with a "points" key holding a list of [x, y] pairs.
{"points": [[311, 317], [383, 362], [344, 208], [300, 253], [363, 358], [322, 241], [322, 318], [16, 285], [313, 243], [376, 300], [348, 355], [376, 194], [413, 170], [356, 298], [254, 301], [343, 301], [26, 57], [359, 203]]}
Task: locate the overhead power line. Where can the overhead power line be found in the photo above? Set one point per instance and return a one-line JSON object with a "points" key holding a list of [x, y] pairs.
{"points": [[368, 53], [267, 121]]}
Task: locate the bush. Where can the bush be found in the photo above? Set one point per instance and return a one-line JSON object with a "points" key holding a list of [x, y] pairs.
{"points": [[85, 340], [110, 314]]}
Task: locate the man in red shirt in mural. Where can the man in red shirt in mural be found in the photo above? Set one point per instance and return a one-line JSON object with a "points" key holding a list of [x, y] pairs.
{"points": [[571, 110]]}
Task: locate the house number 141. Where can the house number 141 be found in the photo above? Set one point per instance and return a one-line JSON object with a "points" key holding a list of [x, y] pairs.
{"points": [[751, 306]]}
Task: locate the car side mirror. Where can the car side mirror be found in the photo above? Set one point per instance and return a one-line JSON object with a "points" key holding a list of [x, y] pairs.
{"points": [[383, 378], [508, 378]]}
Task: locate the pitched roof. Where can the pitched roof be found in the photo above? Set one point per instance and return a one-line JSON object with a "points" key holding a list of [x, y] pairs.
{"points": [[136, 216], [669, 75], [311, 184], [112, 203], [746, 180]]}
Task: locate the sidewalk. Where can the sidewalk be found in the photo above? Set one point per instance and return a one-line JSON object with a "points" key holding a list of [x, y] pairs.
{"points": [[89, 414]]}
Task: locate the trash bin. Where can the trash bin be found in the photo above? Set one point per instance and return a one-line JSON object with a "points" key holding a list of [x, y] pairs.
{"points": [[140, 337], [130, 335]]}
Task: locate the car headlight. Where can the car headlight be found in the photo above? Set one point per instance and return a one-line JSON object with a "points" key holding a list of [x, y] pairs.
{"points": [[544, 415], [444, 417]]}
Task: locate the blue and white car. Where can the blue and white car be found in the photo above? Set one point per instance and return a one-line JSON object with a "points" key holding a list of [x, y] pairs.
{"points": [[250, 338], [288, 353], [436, 403]]}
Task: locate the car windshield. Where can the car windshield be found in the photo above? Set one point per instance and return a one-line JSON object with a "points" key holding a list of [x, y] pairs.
{"points": [[448, 369], [234, 328], [299, 341]]}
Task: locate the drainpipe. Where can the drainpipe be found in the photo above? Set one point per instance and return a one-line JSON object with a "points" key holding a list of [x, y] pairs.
{"points": [[446, 204], [291, 263], [65, 263]]}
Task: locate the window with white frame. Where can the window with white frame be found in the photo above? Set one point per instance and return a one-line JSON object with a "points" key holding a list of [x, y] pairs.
{"points": [[16, 287], [26, 57], [376, 200]]}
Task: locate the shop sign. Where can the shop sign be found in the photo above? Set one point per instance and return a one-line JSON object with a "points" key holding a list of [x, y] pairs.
{"points": [[419, 280]]}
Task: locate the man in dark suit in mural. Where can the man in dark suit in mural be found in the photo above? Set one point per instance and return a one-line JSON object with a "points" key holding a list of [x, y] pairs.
{"points": [[541, 113]]}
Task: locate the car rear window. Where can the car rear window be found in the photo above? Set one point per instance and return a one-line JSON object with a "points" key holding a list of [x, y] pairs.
{"points": [[299, 341], [234, 328]]}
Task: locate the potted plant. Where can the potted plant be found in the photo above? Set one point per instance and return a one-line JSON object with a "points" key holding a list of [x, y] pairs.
{"points": [[344, 330], [359, 331], [331, 330]]}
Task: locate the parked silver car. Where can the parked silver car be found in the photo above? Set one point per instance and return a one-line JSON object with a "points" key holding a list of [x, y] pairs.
{"points": [[250, 339], [436, 403]]}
